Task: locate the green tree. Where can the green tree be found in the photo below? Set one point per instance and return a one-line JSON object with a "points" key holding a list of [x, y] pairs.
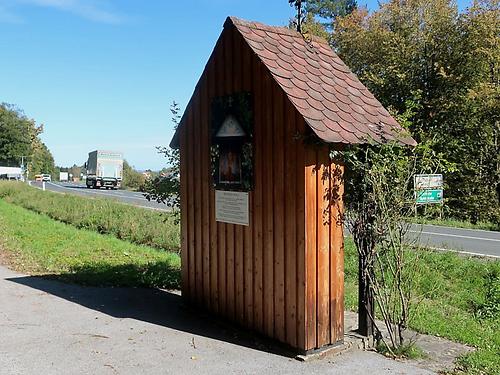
{"points": [[329, 10], [75, 171], [42, 161], [165, 188], [17, 135], [427, 55], [132, 179]]}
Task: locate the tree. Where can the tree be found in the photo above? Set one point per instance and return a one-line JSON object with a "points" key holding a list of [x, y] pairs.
{"points": [[42, 161], [17, 135], [165, 188], [75, 171], [20, 140], [326, 11], [446, 65], [132, 179], [329, 10]]}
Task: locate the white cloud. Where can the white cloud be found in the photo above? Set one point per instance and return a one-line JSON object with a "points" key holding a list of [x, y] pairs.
{"points": [[93, 10]]}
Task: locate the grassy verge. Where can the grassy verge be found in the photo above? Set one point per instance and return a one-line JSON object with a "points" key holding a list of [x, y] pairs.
{"points": [[134, 224], [457, 224], [462, 303], [36, 244]]}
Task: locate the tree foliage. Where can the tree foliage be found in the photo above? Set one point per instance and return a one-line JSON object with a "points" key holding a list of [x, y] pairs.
{"points": [[20, 140], [165, 188], [317, 17], [445, 66], [329, 10], [42, 161], [132, 179], [18, 135]]}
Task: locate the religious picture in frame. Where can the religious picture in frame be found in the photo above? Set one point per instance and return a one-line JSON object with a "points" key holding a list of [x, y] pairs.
{"points": [[232, 142]]}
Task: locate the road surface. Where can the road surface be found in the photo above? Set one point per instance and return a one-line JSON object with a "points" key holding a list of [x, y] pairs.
{"points": [[473, 241], [125, 196]]}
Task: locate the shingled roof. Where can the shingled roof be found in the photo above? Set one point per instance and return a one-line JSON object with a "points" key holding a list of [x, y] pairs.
{"points": [[332, 100]]}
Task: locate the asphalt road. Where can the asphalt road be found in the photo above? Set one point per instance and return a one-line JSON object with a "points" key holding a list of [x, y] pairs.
{"points": [[468, 241], [125, 196]]}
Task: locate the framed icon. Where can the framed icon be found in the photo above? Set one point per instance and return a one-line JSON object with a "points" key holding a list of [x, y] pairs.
{"points": [[232, 142]]}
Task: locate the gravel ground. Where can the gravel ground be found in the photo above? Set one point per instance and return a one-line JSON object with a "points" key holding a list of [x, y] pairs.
{"points": [[48, 327]]}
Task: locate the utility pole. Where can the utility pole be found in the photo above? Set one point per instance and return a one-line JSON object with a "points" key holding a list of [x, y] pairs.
{"points": [[25, 177]]}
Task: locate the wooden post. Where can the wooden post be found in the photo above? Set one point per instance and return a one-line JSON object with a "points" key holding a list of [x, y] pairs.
{"points": [[366, 305]]}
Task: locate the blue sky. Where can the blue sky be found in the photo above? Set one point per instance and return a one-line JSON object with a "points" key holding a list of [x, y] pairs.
{"points": [[101, 74]]}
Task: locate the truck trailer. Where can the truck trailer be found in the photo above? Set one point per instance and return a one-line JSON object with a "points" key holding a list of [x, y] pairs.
{"points": [[63, 176], [104, 169], [11, 173]]}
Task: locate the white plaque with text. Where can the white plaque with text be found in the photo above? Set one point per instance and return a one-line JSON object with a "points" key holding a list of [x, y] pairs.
{"points": [[231, 207]]}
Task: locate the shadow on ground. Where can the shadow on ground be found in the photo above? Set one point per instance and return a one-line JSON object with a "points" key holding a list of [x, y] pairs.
{"points": [[154, 306]]}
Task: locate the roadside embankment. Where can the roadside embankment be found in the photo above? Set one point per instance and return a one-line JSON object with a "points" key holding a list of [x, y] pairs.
{"points": [[134, 224]]}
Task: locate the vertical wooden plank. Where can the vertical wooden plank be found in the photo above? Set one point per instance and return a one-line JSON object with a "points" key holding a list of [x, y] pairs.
{"points": [[191, 203], [221, 257], [197, 199], [337, 253], [239, 274], [230, 228], [221, 227], [205, 186], [268, 206], [248, 271], [311, 245], [257, 217], [230, 287], [323, 247], [290, 226], [214, 267], [247, 75], [279, 214], [301, 235], [239, 238], [184, 211]]}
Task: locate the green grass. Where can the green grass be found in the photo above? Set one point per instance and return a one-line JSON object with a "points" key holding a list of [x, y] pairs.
{"points": [[36, 244], [105, 216], [457, 223], [461, 298]]}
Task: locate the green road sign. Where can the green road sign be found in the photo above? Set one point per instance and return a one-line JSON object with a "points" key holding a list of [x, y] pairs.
{"points": [[430, 196]]}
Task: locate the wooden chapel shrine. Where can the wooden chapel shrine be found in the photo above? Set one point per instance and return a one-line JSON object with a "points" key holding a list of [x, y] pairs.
{"points": [[261, 200]]}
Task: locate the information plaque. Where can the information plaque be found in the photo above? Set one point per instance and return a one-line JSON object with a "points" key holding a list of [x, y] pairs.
{"points": [[231, 207]]}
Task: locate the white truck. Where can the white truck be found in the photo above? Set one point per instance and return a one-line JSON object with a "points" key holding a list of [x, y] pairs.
{"points": [[104, 169], [11, 173], [63, 176]]}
